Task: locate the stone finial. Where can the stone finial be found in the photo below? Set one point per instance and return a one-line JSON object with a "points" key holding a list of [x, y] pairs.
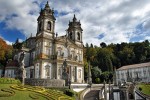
{"points": [[47, 5], [56, 34], [74, 18]]}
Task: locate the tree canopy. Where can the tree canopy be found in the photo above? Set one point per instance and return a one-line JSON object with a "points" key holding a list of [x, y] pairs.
{"points": [[106, 57]]}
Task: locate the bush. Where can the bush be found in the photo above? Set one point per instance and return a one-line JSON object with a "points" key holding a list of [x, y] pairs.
{"points": [[97, 80], [9, 81], [69, 92], [8, 92], [140, 88]]}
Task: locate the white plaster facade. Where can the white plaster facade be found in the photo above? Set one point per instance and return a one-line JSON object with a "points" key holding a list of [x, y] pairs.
{"points": [[47, 51], [134, 73]]}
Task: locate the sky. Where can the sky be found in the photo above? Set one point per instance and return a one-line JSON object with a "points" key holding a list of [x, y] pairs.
{"points": [[109, 21]]}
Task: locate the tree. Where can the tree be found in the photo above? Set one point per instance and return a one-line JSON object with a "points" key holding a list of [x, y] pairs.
{"points": [[5, 52], [104, 59], [103, 45], [96, 72]]}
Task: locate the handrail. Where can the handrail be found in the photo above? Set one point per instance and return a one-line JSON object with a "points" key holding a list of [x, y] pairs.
{"points": [[84, 93], [100, 92], [141, 94]]}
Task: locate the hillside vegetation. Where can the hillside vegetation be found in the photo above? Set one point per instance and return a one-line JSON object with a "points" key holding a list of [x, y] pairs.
{"points": [[105, 58]]}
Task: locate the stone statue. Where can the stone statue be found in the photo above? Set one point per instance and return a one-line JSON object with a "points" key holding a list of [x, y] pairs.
{"points": [[64, 73], [21, 59], [64, 65], [22, 69]]}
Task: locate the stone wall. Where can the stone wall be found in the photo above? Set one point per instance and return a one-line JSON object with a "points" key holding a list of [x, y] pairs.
{"points": [[45, 82]]}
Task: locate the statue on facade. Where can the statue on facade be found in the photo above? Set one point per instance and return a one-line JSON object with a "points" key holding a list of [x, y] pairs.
{"points": [[64, 73], [22, 71]]}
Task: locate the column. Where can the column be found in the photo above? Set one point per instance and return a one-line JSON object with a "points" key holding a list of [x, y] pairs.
{"points": [[41, 70], [56, 71], [83, 75], [75, 73], [70, 73]]}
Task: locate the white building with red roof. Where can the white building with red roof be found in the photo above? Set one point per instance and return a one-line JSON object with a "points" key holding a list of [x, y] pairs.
{"points": [[11, 69], [134, 73]]}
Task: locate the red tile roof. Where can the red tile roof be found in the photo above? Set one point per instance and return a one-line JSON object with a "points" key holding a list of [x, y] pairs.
{"points": [[13, 63], [135, 66]]}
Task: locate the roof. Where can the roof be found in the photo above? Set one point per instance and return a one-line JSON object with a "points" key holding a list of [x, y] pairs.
{"points": [[135, 66], [12, 63]]}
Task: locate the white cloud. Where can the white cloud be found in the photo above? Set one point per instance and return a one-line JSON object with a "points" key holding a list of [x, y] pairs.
{"points": [[8, 42], [117, 19]]}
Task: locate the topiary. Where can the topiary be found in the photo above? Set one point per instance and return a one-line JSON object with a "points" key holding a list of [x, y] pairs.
{"points": [[69, 92], [97, 80], [140, 88]]}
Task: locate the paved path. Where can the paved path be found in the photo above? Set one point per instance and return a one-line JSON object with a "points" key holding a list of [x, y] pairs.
{"points": [[92, 95]]}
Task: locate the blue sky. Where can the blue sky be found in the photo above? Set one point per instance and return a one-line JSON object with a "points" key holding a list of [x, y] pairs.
{"points": [[110, 21]]}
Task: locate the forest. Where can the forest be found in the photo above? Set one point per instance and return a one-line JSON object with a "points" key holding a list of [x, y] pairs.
{"points": [[105, 58]]}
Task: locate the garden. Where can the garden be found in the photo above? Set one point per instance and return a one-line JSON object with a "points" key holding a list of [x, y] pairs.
{"points": [[12, 89], [144, 88]]}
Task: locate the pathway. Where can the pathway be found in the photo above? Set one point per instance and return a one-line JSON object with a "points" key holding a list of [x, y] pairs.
{"points": [[92, 95]]}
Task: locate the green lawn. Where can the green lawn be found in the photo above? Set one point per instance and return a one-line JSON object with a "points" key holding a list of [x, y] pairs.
{"points": [[11, 89], [19, 95], [145, 88]]}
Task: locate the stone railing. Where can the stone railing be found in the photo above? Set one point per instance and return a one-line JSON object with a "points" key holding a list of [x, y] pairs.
{"points": [[45, 82]]}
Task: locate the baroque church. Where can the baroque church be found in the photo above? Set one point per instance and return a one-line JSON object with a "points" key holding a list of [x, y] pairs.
{"points": [[46, 53]]}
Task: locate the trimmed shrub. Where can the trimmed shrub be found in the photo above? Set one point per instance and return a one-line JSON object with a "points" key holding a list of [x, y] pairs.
{"points": [[140, 88], [9, 92], [97, 80], [69, 92], [9, 81]]}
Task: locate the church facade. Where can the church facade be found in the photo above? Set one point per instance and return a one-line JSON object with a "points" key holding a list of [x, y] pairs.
{"points": [[46, 53]]}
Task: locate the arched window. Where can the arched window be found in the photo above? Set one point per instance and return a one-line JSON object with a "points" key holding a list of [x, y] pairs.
{"points": [[40, 26], [70, 35], [78, 37], [49, 25]]}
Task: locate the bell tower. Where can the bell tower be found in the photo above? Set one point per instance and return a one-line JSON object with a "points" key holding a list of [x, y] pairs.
{"points": [[75, 31], [45, 40], [46, 22]]}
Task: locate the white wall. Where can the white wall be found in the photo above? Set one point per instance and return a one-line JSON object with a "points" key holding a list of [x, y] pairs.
{"points": [[37, 70], [10, 73], [143, 74]]}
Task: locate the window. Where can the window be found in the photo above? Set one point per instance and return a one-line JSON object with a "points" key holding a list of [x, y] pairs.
{"points": [[47, 51], [73, 72], [49, 25], [40, 26], [79, 73], [78, 37], [70, 35], [59, 71]]}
